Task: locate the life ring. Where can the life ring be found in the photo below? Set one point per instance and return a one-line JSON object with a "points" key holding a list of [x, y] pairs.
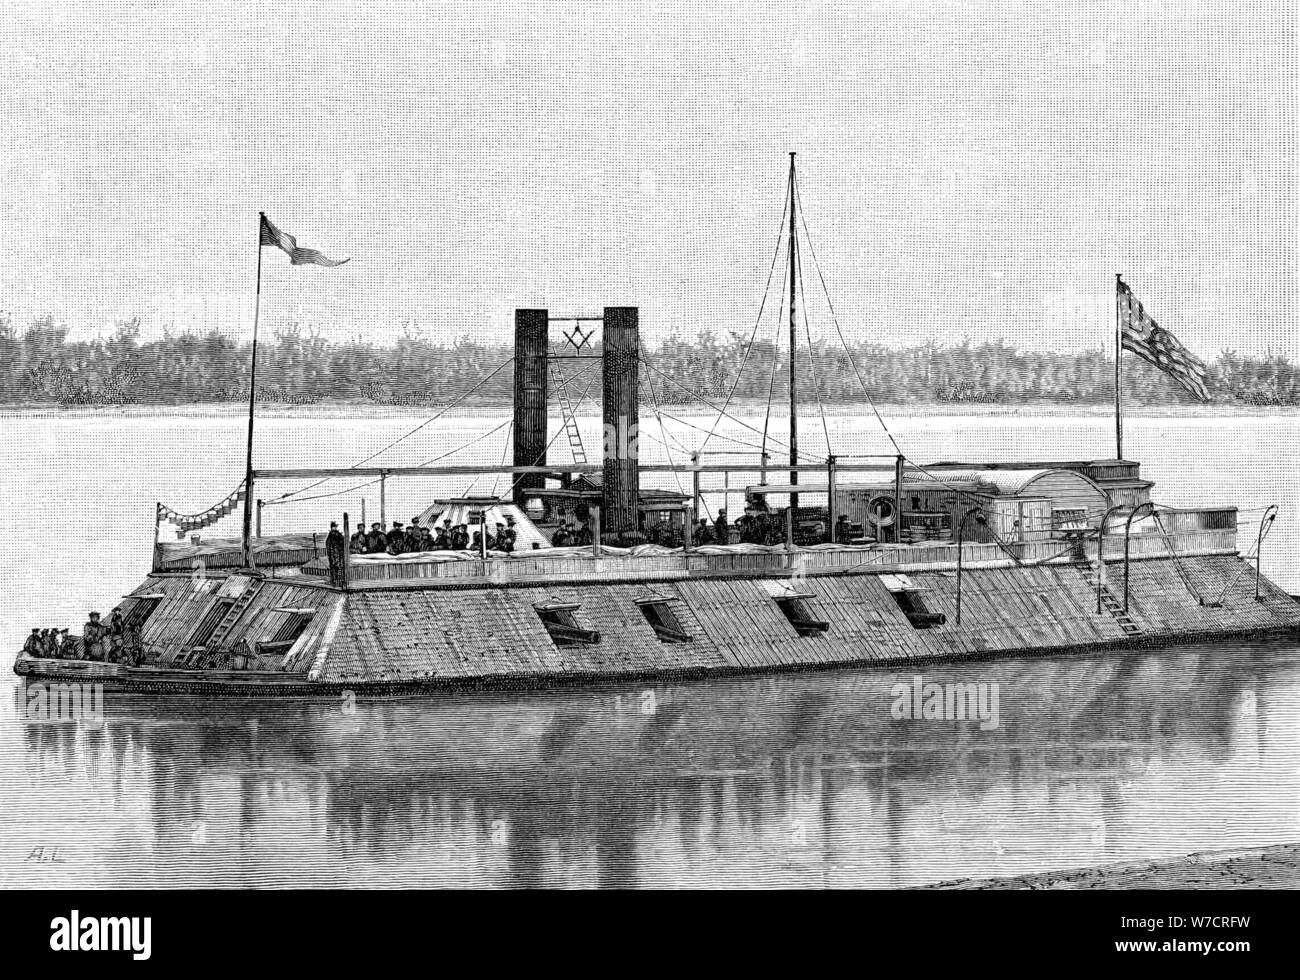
{"points": [[881, 511]]}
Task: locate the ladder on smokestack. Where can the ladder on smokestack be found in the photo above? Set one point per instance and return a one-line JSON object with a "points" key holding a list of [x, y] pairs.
{"points": [[566, 413]]}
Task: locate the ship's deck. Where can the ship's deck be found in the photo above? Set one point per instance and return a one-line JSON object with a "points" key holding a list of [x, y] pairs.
{"points": [[283, 558]]}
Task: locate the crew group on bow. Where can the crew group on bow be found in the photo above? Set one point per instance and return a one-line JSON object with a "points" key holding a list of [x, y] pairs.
{"points": [[117, 641]]}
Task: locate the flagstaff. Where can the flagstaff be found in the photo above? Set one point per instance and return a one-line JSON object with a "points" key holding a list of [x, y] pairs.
{"points": [[247, 546], [1119, 346], [267, 234]]}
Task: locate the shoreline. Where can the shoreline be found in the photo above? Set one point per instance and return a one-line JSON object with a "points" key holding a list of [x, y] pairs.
{"points": [[1255, 867], [348, 410]]}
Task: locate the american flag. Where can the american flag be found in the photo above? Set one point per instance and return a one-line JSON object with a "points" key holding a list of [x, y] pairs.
{"points": [[271, 235], [1141, 335]]}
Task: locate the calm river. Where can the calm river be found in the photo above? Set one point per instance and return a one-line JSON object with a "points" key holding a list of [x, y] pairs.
{"points": [[797, 780]]}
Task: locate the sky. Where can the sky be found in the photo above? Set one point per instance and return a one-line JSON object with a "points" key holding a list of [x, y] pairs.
{"points": [[976, 170]]}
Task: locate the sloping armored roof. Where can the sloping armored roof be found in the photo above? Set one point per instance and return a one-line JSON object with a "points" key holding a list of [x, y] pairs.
{"points": [[184, 600], [735, 623], [526, 532]]}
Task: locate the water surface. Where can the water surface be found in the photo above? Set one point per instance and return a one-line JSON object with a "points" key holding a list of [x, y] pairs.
{"points": [[800, 780]]}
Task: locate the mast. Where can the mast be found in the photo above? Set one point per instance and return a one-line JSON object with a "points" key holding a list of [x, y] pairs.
{"points": [[794, 402]]}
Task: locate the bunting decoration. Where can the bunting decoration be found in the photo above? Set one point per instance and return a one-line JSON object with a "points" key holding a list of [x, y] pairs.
{"points": [[194, 522]]}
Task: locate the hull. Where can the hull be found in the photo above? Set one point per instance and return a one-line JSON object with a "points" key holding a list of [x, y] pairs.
{"points": [[430, 639], [263, 684]]}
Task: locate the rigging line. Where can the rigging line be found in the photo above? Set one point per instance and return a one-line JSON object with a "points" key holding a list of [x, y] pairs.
{"points": [[659, 414], [654, 400], [1173, 552], [705, 401], [834, 319], [576, 405], [749, 346], [322, 496], [447, 408], [505, 453], [812, 360], [698, 428], [776, 356], [917, 467], [585, 391], [464, 446], [1251, 552], [335, 493], [669, 450]]}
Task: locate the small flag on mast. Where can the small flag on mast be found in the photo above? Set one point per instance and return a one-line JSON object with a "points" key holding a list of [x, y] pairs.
{"points": [[271, 235], [1155, 345]]}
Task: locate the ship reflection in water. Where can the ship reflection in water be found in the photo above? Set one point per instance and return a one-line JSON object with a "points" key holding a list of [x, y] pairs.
{"points": [[792, 780]]}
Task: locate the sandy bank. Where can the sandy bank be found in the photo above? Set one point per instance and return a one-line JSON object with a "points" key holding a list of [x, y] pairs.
{"points": [[1267, 867]]}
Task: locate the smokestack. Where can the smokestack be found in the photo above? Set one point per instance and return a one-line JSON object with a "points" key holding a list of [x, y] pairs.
{"points": [[619, 367], [531, 341]]}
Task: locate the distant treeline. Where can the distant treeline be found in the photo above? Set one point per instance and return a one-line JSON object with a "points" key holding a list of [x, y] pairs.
{"points": [[40, 365]]}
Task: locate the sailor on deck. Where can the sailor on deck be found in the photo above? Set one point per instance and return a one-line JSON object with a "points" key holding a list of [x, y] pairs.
{"points": [[34, 645], [414, 536], [460, 537], [745, 525], [721, 530], [116, 626], [334, 547], [505, 540], [92, 638], [357, 543], [376, 540], [395, 539], [703, 535], [131, 650]]}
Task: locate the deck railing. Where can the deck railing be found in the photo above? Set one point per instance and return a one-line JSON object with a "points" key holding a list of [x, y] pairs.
{"points": [[819, 561]]}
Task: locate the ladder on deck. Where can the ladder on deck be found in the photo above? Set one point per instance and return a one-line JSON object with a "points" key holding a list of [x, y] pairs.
{"points": [[566, 413], [1109, 602], [203, 654], [232, 615]]}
